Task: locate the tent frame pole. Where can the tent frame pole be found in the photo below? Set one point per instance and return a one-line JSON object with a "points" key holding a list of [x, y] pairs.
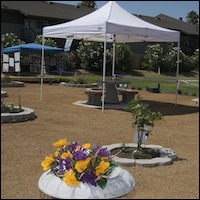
{"points": [[177, 71], [113, 64], [104, 72], [42, 68]]}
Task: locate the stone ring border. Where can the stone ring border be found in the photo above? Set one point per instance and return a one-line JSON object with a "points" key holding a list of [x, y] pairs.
{"points": [[167, 156], [78, 85], [3, 94], [13, 84], [25, 115]]}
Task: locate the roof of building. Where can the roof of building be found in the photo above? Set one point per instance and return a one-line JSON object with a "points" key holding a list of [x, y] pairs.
{"points": [[70, 12], [46, 9], [172, 23]]}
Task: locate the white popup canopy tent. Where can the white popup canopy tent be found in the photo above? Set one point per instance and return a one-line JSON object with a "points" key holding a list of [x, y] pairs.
{"points": [[111, 23]]}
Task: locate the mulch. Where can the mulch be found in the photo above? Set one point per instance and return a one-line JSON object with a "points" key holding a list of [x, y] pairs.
{"points": [[24, 145]]}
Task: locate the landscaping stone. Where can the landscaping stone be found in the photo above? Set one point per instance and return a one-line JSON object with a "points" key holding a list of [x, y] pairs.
{"points": [[167, 156], [13, 84], [25, 115]]}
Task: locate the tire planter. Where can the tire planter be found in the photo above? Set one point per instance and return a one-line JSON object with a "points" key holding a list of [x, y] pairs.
{"points": [[120, 183]]}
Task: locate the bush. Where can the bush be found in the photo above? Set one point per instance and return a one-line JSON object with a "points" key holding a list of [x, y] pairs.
{"points": [[9, 40], [153, 57], [186, 63], [195, 58], [47, 42], [123, 58], [71, 61], [91, 55]]}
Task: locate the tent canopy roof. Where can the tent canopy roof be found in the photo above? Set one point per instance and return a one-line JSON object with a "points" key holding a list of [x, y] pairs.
{"points": [[113, 20], [31, 47]]}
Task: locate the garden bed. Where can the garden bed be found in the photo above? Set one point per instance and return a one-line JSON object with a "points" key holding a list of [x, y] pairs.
{"points": [[12, 84], [18, 115], [150, 156]]}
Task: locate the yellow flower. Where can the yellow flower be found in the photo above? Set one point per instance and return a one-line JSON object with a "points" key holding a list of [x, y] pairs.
{"points": [[66, 155], [70, 179], [86, 146], [102, 167], [78, 147], [81, 165], [104, 158], [60, 143], [46, 163], [56, 153]]}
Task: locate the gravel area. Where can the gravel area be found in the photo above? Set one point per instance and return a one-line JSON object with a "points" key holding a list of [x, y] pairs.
{"points": [[24, 145]]}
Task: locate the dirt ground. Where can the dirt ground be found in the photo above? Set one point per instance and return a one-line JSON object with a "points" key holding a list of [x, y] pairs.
{"points": [[24, 145]]}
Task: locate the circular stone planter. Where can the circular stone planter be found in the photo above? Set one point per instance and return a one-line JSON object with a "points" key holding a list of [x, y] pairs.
{"points": [[167, 156], [25, 115], [13, 84], [119, 183], [3, 94], [78, 84]]}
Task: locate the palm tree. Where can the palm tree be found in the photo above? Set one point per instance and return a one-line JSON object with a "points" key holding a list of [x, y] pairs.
{"points": [[89, 4], [192, 17]]}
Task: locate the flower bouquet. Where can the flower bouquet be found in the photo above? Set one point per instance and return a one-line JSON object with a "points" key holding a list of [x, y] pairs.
{"points": [[76, 171], [75, 163]]}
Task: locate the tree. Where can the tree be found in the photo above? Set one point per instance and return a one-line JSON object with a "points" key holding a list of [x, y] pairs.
{"points": [[195, 58], [91, 55], [170, 59], [123, 57], [142, 116], [47, 42], [89, 4], [153, 58], [9, 40], [192, 17]]}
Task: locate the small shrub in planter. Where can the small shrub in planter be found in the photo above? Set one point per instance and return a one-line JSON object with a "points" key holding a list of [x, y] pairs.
{"points": [[142, 117], [9, 108]]}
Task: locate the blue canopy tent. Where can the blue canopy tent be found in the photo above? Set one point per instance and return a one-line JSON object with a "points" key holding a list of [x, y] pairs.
{"points": [[31, 48]]}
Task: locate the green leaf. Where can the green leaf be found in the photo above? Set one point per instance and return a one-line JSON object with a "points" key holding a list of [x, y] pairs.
{"points": [[102, 182], [113, 164], [110, 169], [54, 165]]}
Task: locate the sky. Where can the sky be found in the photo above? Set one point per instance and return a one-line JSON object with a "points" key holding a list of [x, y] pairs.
{"points": [[175, 9]]}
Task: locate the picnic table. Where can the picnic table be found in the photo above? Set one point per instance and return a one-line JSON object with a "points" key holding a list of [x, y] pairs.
{"points": [[111, 95], [127, 94], [94, 96]]}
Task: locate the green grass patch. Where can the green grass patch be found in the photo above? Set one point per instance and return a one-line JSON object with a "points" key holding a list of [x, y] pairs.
{"points": [[144, 79]]}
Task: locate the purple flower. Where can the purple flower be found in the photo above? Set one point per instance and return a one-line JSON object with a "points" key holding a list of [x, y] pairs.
{"points": [[79, 155], [73, 145], [89, 177], [103, 151], [64, 165], [96, 148]]}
